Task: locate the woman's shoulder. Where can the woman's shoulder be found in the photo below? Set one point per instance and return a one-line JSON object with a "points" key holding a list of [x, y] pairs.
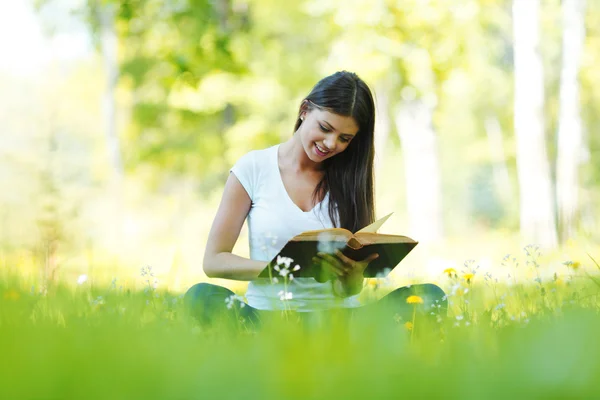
{"points": [[258, 156], [255, 162]]}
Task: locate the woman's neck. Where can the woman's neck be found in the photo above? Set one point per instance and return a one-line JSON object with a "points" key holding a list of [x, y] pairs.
{"points": [[294, 157]]}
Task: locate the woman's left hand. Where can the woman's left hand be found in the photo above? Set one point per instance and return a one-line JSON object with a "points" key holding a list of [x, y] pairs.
{"points": [[349, 271]]}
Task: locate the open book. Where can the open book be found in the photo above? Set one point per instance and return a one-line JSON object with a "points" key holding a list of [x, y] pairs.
{"points": [[358, 246]]}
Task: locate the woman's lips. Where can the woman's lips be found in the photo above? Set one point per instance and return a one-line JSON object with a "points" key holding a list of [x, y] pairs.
{"points": [[319, 152]]}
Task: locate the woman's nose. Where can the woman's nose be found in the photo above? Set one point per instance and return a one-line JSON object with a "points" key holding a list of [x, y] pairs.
{"points": [[330, 143]]}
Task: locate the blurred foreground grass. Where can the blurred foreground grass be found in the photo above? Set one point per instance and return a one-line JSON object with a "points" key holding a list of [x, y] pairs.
{"points": [[531, 339]]}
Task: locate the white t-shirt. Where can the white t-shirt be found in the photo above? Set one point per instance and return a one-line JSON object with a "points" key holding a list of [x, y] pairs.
{"points": [[274, 219]]}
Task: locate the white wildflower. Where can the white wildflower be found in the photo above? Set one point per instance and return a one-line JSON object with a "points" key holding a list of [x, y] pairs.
{"points": [[82, 279], [284, 260], [284, 295]]}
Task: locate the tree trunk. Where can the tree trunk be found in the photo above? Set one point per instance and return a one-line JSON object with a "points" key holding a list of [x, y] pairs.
{"points": [[382, 126], [498, 159], [536, 194], [569, 125], [108, 45], [421, 168]]}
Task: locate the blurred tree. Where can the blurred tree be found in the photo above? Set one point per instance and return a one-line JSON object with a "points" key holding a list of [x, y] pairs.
{"points": [[211, 80], [535, 182], [104, 13], [570, 137], [590, 100], [383, 125], [441, 64], [498, 159]]}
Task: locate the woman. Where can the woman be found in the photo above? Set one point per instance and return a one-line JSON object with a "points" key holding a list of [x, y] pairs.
{"points": [[322, 177]]}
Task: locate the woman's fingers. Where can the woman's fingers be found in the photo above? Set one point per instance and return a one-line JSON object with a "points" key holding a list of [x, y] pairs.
{"points": [[328, 266], [350, 261], [345, 259], [333, 260], [372, 257]]}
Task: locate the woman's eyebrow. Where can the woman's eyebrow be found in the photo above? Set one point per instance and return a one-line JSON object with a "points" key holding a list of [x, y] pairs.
{"points": [[332, 128]]}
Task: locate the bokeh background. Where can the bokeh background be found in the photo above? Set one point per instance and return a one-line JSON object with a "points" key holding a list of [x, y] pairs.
{"points": [[119, 121]]}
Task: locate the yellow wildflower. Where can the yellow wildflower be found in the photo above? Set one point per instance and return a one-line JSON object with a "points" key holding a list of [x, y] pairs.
{"points": [[468, 277], [11, 295], [414, 300], [450, 271], [575, 265], [409, 326]]}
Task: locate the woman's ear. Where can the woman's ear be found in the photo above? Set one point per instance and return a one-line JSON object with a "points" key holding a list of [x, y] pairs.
{"points": [[304, 108]]}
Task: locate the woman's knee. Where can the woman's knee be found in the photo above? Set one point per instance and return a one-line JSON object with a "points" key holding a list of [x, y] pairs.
{"points": [[205, 295]]}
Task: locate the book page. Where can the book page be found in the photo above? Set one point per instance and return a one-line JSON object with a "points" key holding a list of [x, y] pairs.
{"points": [[374, 227]]}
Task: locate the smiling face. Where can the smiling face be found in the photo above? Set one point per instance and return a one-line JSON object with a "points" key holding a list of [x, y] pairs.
{"points": [[325, 134]]}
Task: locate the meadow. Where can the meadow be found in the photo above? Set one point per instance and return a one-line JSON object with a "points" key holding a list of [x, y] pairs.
{"points": [[503, 337]]}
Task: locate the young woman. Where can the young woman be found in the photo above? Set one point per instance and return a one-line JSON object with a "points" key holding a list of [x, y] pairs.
{"points": [[321, 177]]}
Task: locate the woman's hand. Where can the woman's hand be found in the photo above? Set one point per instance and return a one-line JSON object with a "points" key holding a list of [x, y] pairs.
{"points": [[347, 273]]}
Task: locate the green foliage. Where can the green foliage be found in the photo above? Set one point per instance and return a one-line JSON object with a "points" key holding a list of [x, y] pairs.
{"points": [[207, 81]]}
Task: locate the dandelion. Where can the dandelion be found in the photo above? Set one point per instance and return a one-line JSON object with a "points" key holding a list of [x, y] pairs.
{"points": [[409, 326], [450, 272], [468, 277], [12, 295], [575, 265], [82, 279], [414, 300]]}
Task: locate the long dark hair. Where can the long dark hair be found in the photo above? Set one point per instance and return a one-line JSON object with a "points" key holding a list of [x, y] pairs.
{"points": [[348, 175]]}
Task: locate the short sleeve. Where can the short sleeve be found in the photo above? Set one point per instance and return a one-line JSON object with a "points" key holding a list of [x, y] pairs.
{"points": [[245, 170]]}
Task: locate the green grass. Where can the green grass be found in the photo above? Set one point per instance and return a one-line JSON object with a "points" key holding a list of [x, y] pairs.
{"points": [[531, 339]]}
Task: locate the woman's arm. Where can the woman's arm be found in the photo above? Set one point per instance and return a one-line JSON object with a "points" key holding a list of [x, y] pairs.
{"points": [[218, 261]]}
